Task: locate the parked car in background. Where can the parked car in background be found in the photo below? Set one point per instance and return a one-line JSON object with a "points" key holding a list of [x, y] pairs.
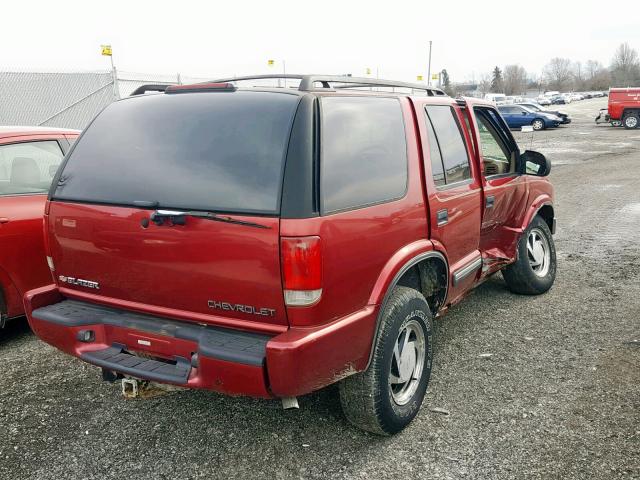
{"points": [[497, 98], [558, 100], [542, 100], [208, 252], [564, 117], [518, 116], [29, 159], [576, 97], [623, 108], [567, 97]]}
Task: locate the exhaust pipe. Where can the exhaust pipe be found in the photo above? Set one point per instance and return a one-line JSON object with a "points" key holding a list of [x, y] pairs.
{"points": [[290, 402]]}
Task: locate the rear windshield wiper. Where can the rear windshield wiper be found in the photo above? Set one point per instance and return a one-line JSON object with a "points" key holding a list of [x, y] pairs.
{"points": [[180, 218]]}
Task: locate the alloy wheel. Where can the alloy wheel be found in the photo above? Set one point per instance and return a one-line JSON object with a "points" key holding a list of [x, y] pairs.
{"points": [[538, 252], [407, 362]]}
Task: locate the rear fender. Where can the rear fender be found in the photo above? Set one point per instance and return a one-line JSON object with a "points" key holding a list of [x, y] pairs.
{"points": [[393, 271]]}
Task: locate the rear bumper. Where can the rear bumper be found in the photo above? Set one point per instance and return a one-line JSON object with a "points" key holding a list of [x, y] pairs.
{"points": [[229, 361]]}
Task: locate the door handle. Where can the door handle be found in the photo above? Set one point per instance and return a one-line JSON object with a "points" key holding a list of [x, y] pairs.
{"points": [[489, 201], [4, 220], [442, 217]]}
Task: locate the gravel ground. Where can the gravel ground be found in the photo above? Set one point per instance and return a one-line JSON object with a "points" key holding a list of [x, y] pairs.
{"points": [[558, 398]]}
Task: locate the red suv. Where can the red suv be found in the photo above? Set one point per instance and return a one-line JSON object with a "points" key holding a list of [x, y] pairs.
{"points": [[29, 158], [272, 241]]}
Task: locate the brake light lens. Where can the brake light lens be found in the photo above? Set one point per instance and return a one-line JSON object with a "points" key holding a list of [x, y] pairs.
{"points": [[301, 270], [199, 87]]}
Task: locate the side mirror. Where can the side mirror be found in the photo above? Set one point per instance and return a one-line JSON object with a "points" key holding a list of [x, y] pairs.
{"points": [[524, 113], [534, 163]]}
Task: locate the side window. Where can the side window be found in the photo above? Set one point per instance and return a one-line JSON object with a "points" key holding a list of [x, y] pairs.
{"points": [[496, 157], [28, 167], [453, 150], [437, 168], [363, 152]]}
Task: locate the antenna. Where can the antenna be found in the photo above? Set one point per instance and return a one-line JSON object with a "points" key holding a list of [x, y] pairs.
{"points": [[528, 128]]}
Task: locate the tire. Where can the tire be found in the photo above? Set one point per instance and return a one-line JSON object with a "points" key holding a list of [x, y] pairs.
{"points": [[538, 124], [534, 270], [631, 121], [616, 123], [369, 400]]}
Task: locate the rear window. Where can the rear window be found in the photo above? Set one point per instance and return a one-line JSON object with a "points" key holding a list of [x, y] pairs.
{"points": [[201, 151], [363, 152]]}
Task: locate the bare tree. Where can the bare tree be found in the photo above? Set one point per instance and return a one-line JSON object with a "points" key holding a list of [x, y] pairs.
{"points": [[484, 85], [578, 76], [596, 77], [625, 66], [515, 80], [558, 74]]}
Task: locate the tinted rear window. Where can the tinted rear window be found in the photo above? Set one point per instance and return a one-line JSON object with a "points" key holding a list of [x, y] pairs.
{"points": [[203, 151]]}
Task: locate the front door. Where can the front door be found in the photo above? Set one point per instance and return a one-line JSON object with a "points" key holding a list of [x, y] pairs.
{"points": [[505, 190]]}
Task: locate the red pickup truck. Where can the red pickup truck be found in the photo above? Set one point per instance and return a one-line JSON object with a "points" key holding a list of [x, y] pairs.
{"points": [[623, 108], [277, 240], [29, 158]]}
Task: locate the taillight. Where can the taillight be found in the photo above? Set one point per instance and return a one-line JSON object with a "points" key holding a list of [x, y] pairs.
{"points": [[302, 270]]}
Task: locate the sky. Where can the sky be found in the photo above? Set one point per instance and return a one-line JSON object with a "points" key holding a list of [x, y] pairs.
{"points": [[221, 38]]}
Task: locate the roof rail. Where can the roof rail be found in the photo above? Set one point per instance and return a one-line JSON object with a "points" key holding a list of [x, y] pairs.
{"points": [[152, 87], [307, 82]]}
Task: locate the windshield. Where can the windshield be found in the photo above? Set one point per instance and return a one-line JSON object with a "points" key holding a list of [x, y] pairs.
{"points": [[215, 151]]}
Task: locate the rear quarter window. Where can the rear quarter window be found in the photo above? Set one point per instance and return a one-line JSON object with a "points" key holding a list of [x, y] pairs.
{"points": [[363, 152]]}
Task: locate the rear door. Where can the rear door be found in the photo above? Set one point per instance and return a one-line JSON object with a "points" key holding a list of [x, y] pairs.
{"points": [[114, 238], [454, 191]]}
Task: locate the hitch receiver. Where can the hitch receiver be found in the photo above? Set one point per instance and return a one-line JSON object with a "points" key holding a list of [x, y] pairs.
{"points": [[130, 388]]}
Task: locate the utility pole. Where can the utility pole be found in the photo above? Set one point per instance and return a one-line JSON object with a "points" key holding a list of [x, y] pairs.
{"points": [[429, 67]]}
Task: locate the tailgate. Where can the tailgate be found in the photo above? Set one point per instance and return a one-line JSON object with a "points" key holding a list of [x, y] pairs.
{"points": [[203, 266]]}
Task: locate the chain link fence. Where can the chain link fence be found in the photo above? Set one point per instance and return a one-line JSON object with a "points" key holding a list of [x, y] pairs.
{"points": [[68, 99]]}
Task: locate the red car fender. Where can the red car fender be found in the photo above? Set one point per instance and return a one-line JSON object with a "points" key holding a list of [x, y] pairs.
{"points": [[10, 294], [534, 208], [397, 263]]}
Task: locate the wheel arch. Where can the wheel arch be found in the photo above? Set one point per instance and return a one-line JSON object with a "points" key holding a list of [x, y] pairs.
{"points": [[542, 206], [427, 272], [10, 298]]}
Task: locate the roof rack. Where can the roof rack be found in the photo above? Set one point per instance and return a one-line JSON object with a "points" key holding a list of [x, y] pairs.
{"points": [[307, 82], [151, 87]]}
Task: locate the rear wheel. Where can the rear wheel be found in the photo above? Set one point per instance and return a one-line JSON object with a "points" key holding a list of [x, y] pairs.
{"points": [[537, 124], [534, 271], [387, 396], [631, 121]]}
